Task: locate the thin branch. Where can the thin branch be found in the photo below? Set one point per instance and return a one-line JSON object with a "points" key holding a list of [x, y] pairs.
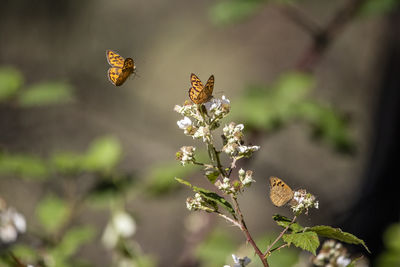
{"points": [[247, 233], [323, 39], [300, 18], [280, 236], [229, 219]]}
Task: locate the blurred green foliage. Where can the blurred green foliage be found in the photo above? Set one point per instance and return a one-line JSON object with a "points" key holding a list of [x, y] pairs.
{"points": [[268, 108], [52, 212], [378, 7], [72, 240], [391, 255], [216, 248], [40, 94], [10, 81], [25, 166], [227, 12], [232, 11], [46, 93]]}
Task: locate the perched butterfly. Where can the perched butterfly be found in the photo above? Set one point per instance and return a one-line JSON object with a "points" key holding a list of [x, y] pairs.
{"points": [[280, 192], [121, 68], [198, 93]]}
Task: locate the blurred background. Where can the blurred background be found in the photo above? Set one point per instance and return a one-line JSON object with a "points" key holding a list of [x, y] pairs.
{"points": [[314, 82]]}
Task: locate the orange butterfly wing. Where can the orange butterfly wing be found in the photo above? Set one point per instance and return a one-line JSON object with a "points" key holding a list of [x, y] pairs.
{"points": [[198, 93], [114, 59], [121, 68], [114, 74]]}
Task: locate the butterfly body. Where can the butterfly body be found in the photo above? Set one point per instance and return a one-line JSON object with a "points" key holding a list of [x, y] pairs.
{"points": [[120, 68], [280, 192], [199, 93]]}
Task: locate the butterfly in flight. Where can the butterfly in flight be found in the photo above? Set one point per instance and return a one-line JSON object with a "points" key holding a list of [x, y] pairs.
{"points": [[120, 68], [280, 193], [198, 93]]}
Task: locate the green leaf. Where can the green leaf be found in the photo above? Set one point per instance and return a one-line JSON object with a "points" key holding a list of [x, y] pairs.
{"points": [[209, 195], [227, 12], [11, 81], [103, 154], [74, 239], [28, 167], [46, 93], [306, 240], [338, 234], [212, 175], [52, 212], [284, 222], [159, 177]]}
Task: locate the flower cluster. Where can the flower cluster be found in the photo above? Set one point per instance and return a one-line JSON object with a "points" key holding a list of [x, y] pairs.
{"points": [[199, 203], [12, 223], [218, 108], [302, 201], [233, 143], [239, 262], [332, 254], [186, 155], [226, 186], [246, 177], [198, 120]]}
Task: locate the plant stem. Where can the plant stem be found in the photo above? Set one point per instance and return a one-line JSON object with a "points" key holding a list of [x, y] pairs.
{"points": [[236, 223], [280, 236], [246, 232]]}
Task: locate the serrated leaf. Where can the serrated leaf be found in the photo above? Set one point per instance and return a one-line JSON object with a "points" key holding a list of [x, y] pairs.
{"points": [[284, 222], [209, 195], [103, 154], [52, 212], [11, 81], [338, 234], [305, 240], [46, 93]]}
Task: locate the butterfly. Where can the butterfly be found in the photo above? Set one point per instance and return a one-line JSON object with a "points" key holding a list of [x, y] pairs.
{"points": [[280, 192], [198, 93], [120, 68]]}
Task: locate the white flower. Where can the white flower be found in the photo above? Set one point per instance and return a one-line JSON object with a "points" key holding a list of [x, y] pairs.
{"points": [[121, 225], [343, 261], [225, 186], [247, 179], [202, 132], [185, 123], [11, 223], [240, 262], [124, 224], [186, 155], [225, 100]]}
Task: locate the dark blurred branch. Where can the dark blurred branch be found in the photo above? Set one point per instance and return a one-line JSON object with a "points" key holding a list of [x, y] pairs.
{"points": [[301, 19], [323, 38]]}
